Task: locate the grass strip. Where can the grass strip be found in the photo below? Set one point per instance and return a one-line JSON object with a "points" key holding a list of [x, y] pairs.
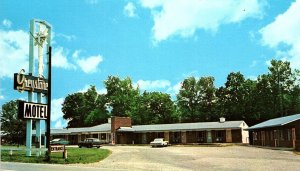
{"points": [[75, 155]]}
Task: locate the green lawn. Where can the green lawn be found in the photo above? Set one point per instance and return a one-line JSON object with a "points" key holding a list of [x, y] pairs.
{"points": [[75, 155]]}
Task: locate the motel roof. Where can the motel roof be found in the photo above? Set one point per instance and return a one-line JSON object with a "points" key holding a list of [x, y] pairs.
{"points": [[152, 128], [184, 126], [98, 128], [276, 122]]}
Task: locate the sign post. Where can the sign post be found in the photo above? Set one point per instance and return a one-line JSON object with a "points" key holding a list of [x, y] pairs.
{"points": [[30, 93], [49, 105], [33, 84]]}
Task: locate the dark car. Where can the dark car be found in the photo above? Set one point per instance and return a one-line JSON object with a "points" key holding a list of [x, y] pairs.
{"points": [[59, 141], [89, 143]]}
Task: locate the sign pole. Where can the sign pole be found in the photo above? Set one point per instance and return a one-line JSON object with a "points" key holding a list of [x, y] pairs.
{"points": [[49, 103], [30, 94]]}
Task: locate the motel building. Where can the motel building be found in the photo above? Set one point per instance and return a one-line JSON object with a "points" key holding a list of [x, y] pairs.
{"points": [[119, 130], [278, 132]]}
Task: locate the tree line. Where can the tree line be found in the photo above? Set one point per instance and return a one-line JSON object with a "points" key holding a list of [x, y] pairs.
{"points": [[273, 94]]}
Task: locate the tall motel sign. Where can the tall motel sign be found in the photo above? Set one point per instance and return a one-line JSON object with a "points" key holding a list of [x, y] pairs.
{"points": [[36, 83]]}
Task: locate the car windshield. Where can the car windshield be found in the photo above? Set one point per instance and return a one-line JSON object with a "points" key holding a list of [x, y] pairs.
{"points": [[158, 139]]}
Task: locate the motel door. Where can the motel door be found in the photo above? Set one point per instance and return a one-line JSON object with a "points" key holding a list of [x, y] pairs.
{"points": [[228, 136], [294, 137], [209, 139], [263, 138]]}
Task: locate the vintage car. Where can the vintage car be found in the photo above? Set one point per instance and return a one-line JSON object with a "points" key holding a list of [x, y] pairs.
{"points": [[89, 143], [59, 141], [159, 142]]}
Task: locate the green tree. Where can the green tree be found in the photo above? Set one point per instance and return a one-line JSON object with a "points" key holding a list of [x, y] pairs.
{"points": [[121, 95], [188, 100], [295, 94], [264, 99], [282, 81], [196, 99], [234, 96], [221, 98], [73, 109], [157, 108], [96, 105], [85, 109], [250, 101], [207, 99], [14, 129]]}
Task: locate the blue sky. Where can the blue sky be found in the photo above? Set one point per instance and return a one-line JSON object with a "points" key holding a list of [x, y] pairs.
{"points": [[157, 43]]}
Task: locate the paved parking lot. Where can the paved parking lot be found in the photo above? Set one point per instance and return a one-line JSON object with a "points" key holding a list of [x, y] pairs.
{"points": [[198, 158]]}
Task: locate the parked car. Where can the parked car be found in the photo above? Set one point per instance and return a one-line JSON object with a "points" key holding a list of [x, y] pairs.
{"points": [[89, 143], [59, 141], [159, 142]]}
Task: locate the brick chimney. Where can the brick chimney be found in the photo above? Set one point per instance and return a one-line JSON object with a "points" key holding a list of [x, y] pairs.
{"points": [[117, 122]]}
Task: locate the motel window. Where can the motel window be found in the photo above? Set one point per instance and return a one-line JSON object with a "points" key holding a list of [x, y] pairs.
{"points": [[276, 134], [201, 136], [282, 134], [271, 135], [103, 136], [219, 135], [254, 135]]}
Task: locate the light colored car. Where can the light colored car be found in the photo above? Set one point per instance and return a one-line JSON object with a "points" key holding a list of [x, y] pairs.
{"points": [[159, 142], [59, 141]]}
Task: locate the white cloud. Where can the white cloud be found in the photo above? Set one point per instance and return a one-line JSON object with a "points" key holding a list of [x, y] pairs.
{"points": [[60, 60], [56, 105], [13, 52], [285, 31], [60, 124], [162, 85], [76, 54], [252, 77], [152, 85], [1, 94], [102, 91], [90, 64], [14, 55], [174, 89], [67, 37], [268, 63], [7, 23], [86, 87], [253, 64], [183, 18], [129, 10], [87, 65]]}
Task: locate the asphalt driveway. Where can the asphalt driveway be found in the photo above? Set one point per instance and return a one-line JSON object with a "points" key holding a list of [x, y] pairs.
{"points": [[197, 158]]}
